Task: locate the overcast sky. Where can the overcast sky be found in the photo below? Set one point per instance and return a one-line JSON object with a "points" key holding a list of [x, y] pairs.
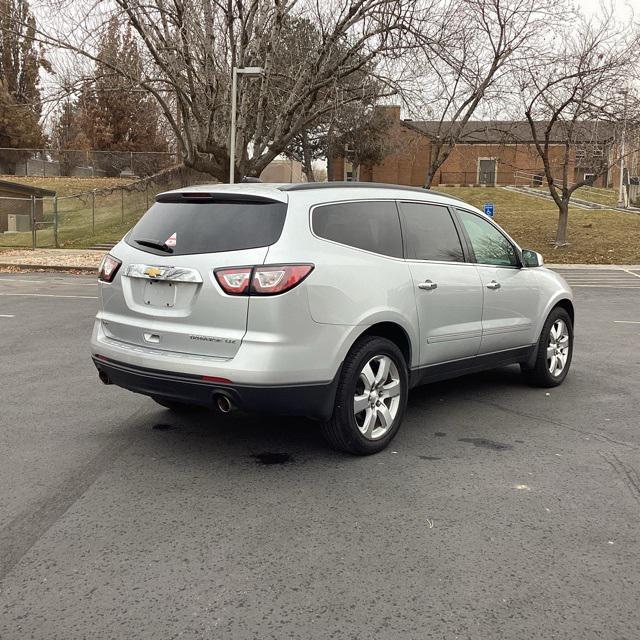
{"points": [[623, 7]]}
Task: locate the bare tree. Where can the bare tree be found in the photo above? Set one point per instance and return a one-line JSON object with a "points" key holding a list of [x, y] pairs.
{"points": [[574, 107], [467, 60], [191, 46]]}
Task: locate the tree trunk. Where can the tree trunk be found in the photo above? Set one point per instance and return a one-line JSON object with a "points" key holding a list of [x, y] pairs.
{"points": [[307, 166], [437, 158], [429, 178], [563, 222], [219, 170]]}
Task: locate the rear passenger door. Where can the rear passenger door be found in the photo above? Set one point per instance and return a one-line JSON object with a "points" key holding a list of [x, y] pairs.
{"points": [[511, 293], [448, 290]]}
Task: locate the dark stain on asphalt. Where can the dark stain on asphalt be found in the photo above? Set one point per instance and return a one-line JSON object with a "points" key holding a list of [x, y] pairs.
{"points": [[486, 444], [440, 434], [162, 427], [429, 458], [272, 457]]}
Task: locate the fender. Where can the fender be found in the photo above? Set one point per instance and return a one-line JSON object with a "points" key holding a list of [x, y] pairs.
{"points": [[559, 296], [378, 317]]}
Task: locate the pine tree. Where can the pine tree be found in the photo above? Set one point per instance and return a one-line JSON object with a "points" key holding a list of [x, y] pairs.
{"points": [[110, 113], [20, 63]]}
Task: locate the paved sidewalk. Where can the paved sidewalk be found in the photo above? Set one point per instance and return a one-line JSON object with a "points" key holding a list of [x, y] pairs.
{"points": [[50, 259]]}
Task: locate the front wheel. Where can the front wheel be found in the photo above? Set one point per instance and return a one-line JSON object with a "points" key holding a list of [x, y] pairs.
{"points": [[555, 349], [371, 398]]}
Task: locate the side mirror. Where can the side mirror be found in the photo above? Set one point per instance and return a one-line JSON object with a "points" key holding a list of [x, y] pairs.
{"points": [[532, 258]]}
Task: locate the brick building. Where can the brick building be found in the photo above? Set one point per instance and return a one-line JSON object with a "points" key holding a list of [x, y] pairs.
{"points": [[488, 153]]}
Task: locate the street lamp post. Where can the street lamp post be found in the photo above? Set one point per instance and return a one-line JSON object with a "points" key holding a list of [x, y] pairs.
{"points": [[249, 72], [621, 198]]}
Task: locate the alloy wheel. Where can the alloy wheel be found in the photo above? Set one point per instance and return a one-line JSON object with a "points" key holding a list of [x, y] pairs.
{"points": [[376, 400], [558, 348]]}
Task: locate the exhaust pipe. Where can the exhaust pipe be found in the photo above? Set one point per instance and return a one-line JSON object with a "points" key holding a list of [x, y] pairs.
{"points": [[104, 378], [224, 404]]}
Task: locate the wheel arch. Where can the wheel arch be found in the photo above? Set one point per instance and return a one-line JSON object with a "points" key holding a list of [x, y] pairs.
{"points": [[567, 305], [395, 333], [561, 302]]}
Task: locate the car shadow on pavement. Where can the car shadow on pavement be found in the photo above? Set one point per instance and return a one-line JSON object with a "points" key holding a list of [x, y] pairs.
{"points": [[277, 440]]}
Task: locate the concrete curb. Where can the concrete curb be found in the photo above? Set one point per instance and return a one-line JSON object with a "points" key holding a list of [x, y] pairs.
{"points": [[48, 267], [623, 267]]}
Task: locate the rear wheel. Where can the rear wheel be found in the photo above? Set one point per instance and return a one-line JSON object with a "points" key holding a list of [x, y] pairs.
{"points": [[371, 398], [555, 349]]}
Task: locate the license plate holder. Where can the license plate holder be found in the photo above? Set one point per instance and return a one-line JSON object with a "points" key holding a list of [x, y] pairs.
{"points": [[159, 294]]}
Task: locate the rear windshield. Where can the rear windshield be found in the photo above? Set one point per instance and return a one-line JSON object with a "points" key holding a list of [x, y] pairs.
{"points": [[208, 227]]}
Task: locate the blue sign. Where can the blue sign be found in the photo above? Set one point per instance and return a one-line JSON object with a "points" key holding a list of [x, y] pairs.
{"points": [[488, 209]]}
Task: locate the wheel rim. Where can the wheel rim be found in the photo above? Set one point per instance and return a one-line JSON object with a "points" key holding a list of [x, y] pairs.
{"points": [[558, 348], [376, 400]]}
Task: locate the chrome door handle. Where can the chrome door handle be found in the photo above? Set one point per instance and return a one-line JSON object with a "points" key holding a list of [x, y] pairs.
{"points": [[428, 285], [494, 285]]}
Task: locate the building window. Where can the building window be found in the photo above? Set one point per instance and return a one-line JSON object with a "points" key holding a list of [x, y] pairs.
{"points": [[351, 174]]}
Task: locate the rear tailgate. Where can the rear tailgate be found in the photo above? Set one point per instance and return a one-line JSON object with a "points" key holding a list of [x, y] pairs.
{"points": [[168, 298]]}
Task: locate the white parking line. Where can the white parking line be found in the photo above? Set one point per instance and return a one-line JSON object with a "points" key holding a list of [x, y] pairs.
{"points": [[6, 315], [47, 295], [75, 284], [627, 321]]}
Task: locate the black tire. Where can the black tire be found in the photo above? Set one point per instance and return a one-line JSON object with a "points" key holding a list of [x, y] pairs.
{"points": [[341, 431], [173, 405], [539, 375]]}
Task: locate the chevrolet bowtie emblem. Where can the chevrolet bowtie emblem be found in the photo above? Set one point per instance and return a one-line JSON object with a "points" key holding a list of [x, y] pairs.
{"points": [[153, 272]]}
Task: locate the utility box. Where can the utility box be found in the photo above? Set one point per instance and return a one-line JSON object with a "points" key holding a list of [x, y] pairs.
{"points": [[17, 222]]}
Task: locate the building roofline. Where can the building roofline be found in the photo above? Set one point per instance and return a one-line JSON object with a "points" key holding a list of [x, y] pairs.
{"points": [[26, 188], [509, 137]]}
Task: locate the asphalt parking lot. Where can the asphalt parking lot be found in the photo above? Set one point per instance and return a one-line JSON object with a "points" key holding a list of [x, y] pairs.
{"points": [[500, 511]]}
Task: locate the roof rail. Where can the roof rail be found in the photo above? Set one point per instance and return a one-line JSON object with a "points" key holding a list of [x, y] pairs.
{"points": [[337, 184]]}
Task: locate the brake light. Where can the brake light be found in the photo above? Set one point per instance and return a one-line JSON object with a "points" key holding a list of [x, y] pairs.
{"points": [[234, 281], [262, 280], [108, 268], [274, 279]]}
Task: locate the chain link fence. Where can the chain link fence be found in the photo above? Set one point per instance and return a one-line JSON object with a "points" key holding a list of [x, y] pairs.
{"points": [[83, 219]]}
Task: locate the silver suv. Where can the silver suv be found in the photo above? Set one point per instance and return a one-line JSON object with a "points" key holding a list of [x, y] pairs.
{"points": [[323, 300]]}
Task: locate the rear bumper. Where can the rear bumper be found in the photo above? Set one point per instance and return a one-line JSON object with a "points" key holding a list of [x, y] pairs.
{"points": [[311, 400]]}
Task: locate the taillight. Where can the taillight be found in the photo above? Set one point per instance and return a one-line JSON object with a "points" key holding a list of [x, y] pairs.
{"points": [[108, 268], [272, 279], [234, 281], [262, 280]]}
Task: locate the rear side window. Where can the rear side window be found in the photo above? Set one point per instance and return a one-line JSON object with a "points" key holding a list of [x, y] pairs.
{"points": [[370, 225], [208, 227], [430, 233]]}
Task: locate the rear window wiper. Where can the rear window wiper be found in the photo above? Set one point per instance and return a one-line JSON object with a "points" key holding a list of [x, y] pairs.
{"points": [[154, 244]]}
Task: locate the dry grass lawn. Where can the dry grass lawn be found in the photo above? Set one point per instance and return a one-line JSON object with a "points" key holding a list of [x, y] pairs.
{"points": [[67, 186], [595, 236]]}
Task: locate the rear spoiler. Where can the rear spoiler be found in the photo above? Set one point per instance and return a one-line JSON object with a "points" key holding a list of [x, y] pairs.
{"points": [[213, 197]]}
